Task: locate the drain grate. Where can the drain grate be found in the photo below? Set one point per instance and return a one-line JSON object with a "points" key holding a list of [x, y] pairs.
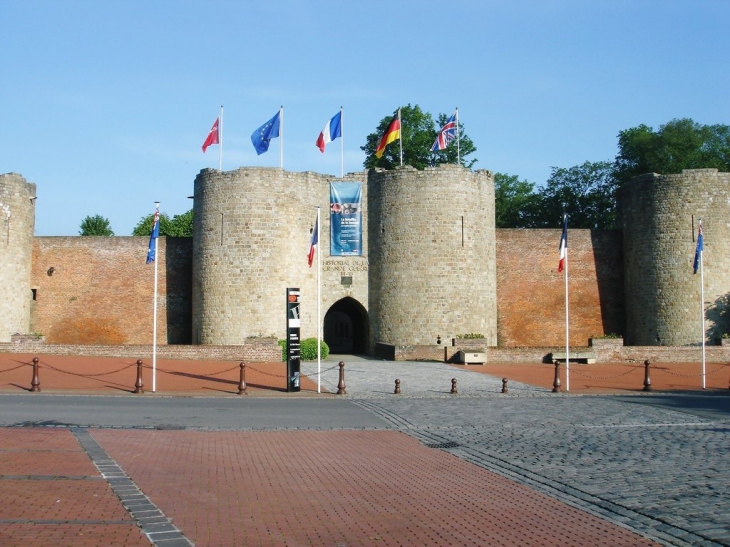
{"points": [[450, 444]]}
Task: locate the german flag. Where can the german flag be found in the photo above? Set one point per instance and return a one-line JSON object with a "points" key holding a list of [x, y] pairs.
{"points": [[391, 134]]}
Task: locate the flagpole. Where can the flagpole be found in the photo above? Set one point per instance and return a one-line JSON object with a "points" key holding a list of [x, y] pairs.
{"points": [[567, 316], [281, 141], [400, 126], [319, 306], [154, 315], [702, 311], [458, 143], [342, 146], [220, 148]]}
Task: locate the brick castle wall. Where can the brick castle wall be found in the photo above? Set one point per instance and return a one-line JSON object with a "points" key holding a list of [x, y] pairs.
{"points": [[99, 290], [531, 292]]}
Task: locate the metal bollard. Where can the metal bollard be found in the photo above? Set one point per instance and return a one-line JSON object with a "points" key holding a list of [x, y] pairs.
{"points": [[139, 384], [504, 385], [35, 383], [556, 383], [242, 380], [453, 386], [397, 387], [647, 380], [341, 387]]}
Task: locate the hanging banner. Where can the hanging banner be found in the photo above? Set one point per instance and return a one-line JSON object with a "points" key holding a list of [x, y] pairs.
{"points": [[346, 218]]}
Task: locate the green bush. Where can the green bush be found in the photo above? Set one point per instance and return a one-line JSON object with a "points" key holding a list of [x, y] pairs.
{"points": [[308, 349]]}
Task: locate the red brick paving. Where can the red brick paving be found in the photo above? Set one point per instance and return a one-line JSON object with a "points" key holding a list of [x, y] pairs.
{"points": [[61, 485], [340, 488]]}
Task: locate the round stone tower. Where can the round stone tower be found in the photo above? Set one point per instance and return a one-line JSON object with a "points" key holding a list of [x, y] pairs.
{"points": [[432, 255], [17, 223], [251, 235], [659, 215]]}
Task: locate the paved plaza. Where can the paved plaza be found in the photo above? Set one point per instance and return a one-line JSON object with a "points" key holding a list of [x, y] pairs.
{"points": [[425, 467]]}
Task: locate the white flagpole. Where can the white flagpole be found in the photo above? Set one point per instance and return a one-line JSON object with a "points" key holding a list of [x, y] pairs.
{"points": [[281, 135], [342, 145], [567, 324], [702, 311], [220, 147], [154, 316], [319, 302], [458, 143], [400, 126]]}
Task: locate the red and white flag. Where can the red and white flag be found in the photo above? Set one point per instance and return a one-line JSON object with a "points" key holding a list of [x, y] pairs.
{"points": [[563, 244], [212, 137]]}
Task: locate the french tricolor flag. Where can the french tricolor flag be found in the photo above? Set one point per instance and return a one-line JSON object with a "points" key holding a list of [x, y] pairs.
{"points": [[313, 244], [563, 244], [331, 131]]}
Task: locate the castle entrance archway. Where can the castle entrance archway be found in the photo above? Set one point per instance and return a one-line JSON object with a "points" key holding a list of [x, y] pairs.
{"points": [[346, 327]]}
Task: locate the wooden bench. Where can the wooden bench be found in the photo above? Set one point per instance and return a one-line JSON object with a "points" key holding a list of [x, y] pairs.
{"points": [[586, 357], [472, 357]]}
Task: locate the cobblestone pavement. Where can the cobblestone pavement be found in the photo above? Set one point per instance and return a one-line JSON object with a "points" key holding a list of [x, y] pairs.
{"points": [[475, 468], [656, 463]]}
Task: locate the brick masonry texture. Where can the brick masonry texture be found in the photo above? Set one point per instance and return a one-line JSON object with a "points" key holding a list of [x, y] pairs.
{"points": [[432, 266], [99, 290], [17, 221]]}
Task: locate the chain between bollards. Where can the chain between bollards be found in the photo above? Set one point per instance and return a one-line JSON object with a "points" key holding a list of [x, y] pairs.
{"points": [[139, 384], [341, 387], [35, 383], [556, 382], [397, 387], [647, 380], [242, 380]]}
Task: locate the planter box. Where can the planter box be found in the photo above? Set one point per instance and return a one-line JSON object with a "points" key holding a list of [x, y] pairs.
{"points": [[472, 358], [605, 342]]}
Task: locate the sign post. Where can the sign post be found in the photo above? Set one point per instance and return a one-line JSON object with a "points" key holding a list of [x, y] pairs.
{"points": [[293, 342]]}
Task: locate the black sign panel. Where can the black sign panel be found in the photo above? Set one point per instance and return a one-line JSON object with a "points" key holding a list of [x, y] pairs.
{"points": [[293, 342]]}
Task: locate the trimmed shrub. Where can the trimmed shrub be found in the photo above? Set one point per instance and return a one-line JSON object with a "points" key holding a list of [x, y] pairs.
{"points": [[308, 349]]}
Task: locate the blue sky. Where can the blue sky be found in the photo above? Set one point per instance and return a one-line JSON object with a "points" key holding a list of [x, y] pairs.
{"points": [[105, 104]]}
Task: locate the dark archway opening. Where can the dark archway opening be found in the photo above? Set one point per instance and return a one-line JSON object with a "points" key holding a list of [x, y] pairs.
{"points": [[346, 327]]}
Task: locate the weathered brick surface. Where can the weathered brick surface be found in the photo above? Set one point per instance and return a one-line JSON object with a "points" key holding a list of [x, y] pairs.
{"points": [[99, 290], [531, 292], [17, 221]]}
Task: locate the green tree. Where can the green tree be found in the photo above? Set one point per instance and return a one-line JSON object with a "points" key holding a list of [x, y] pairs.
{"points": [[177, 226], [679, 144], [418, 133], [516, 204], [96, 226], [586, 192]]}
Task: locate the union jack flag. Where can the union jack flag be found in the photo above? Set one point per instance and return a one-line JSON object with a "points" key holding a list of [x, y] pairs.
{"points": [[446, 135]]}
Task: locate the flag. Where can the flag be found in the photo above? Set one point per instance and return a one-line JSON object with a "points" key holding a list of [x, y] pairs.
{"points": [[313, 243], [563, 244], [391, 134], [212, 137], [331, 131], [154, 235], [270, 130], [446, 135], [699, 249]]}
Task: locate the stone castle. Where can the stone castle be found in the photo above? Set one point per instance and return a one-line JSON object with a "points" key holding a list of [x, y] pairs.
{"points": [[433, 266]]}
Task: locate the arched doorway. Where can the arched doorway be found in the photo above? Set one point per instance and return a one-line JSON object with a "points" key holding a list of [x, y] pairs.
{"points": [[346, 327]]}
